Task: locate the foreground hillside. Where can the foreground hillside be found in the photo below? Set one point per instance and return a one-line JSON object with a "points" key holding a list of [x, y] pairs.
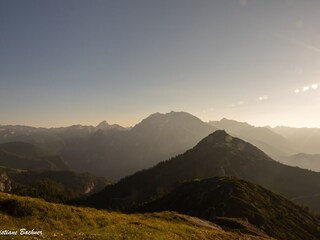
{"points": [[66, 222], [224, 197]]}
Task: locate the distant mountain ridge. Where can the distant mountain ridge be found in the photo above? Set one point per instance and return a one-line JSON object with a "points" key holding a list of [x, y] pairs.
{"points": [[307, 139], [303, 160], [99, 148], [104, 125], [270, 142], [114, 151], [291, 146]]}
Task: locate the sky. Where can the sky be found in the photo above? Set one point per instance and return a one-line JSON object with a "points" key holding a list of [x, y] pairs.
{"points": [[67, 62]]}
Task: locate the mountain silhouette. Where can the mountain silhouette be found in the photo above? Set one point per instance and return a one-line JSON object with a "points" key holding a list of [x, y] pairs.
{"points": [[104, 125], [219, 154], [116, 154]]}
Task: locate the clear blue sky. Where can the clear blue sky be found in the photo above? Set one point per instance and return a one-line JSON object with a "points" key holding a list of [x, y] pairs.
{"points": [[64, 62]]}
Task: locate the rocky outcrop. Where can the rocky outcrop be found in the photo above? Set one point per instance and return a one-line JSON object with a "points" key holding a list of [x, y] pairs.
{"points": [[5, 183]]}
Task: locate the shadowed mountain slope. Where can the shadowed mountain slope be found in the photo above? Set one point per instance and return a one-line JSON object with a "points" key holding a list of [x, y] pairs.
{"points": [[218, 154], [226, 197]]}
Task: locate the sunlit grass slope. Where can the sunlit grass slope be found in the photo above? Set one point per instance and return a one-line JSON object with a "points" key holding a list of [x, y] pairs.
{"points": [[59, 221]]}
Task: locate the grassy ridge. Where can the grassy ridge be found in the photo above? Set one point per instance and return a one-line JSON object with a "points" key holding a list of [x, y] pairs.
{"points": [[67, 222]]}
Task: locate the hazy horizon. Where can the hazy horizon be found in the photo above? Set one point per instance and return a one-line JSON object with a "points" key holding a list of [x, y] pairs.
{"points": [[132, 125], [80, 62]]}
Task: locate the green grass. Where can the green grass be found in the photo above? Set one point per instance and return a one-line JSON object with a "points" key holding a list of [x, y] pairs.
{"points": [[59, 221]]}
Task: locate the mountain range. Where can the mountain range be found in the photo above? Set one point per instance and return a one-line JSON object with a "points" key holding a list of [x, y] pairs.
{"points": [[114, 152], [171, 162]]}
